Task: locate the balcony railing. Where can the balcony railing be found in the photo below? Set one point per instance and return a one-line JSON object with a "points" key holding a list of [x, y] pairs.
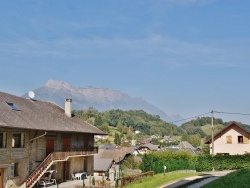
{"points": [[53, 157], [76, 148]]}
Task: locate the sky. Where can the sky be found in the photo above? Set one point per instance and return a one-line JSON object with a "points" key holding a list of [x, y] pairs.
{"points": [[186, 57]]}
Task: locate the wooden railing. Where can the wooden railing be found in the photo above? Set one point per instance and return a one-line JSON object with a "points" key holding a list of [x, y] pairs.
{"points": [[130, 179], [52, 157]]}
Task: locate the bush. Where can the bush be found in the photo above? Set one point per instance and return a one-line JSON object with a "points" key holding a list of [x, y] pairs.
{"points": [[183, 160], [93, 181]]}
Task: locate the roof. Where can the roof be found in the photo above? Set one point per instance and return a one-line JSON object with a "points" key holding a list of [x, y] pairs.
{"points": [[40, 115], [230, 124], [102, 164], [186, 145], [107, 146], [149, 146], [116, 155], [127, 149]]}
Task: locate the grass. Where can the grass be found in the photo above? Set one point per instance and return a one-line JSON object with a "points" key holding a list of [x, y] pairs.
{"points": [[159, 179], [235, 179], [208, 129]]}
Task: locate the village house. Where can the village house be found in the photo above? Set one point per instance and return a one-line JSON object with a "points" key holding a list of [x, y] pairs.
{"points": [[147, 148], [232, 140], [37, 137]]}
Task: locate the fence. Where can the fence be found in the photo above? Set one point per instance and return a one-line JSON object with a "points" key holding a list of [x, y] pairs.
{"points": [[130, 179]]}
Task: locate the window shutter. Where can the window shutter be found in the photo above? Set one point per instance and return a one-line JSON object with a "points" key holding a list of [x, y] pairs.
{"points": [[245, 140], [229, 139], [22, 140], [4, 140], [12, 169]]}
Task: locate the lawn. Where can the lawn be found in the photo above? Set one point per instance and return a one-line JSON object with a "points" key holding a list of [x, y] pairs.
{"points": [[159, 179], [235, 179]]}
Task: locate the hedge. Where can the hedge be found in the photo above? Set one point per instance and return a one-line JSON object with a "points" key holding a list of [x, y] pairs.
{"points": [[184, 160]]}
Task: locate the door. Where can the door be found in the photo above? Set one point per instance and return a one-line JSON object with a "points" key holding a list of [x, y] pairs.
{"points": [[66, 168], [86, 143], [66, 143], [1, 177], [49, 146]]}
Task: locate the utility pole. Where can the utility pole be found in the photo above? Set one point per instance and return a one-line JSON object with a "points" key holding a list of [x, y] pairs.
{"points": [[212, 123]]}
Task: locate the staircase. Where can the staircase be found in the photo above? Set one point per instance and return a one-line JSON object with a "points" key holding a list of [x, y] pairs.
{"points": [[48, 161]]}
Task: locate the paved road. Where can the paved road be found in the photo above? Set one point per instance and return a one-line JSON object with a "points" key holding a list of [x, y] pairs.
{"points": [[211, 176]]}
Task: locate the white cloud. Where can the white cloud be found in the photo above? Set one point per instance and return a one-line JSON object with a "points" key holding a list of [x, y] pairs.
{"points": [[155, 49]]}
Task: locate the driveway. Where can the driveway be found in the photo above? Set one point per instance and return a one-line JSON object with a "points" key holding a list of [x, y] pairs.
{"points": [[206, 178]]}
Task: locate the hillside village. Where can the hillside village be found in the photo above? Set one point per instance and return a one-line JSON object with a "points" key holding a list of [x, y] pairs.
{"points": [[42, 144]]}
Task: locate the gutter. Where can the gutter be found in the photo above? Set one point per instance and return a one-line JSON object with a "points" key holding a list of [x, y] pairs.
{"points": [[38, 136]]}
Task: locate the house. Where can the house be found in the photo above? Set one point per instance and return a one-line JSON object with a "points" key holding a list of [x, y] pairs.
{"points": [[168, 139], [103, 166], [147, 148], [117, 156], [185, 145], [38, 136], [146, 141], [232, 140]]}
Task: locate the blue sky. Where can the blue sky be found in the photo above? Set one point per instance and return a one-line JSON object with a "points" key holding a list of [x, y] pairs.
{"points": [[186, 57]]}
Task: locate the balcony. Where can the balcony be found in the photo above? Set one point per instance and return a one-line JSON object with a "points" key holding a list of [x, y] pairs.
{"points": [[58, 155], [66, 148]]}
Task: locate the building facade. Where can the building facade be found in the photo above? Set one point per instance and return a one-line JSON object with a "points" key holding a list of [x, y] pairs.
{"points": [[37, 136], [232, 140]]}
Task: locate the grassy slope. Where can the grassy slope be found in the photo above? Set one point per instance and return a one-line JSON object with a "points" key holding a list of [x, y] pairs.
{"points": [[236, 179], [207, 129], [159, 180]]}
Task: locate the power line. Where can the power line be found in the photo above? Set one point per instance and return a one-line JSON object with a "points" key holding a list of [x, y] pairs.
{"points": [[232, 113], [190, 117], [218, 112]]}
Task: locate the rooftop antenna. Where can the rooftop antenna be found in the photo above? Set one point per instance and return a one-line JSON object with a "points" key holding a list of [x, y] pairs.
{"points": [[31, 94]]}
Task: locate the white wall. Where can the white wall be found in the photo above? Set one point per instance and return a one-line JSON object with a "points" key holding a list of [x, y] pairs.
{"points": [[221, 146]]}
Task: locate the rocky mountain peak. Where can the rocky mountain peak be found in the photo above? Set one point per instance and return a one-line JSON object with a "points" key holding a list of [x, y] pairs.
{"points": [[100, 98], [57, 84]]}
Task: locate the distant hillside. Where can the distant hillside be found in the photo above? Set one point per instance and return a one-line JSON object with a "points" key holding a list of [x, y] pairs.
{"points": [[129, 121], [101, 99], [202, 126]]}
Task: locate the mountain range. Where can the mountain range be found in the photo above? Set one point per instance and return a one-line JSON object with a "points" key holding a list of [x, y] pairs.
{"points": [[101, 99]]}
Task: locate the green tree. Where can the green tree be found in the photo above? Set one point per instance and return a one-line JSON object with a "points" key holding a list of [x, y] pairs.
{"points": [[98, 120]]}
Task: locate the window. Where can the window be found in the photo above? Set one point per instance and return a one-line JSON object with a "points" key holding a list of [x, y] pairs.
{"points": [[3, 140], [12, 106], [14, 170], [229, 139], [243, 139], [240, 139], [17, 140]]}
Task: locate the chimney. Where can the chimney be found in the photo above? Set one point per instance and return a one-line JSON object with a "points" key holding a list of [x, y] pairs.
{"points": [[68, 103]]}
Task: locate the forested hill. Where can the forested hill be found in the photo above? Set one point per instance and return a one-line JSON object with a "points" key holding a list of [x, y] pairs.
{"points": [[132, 120], [202, 126]]}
